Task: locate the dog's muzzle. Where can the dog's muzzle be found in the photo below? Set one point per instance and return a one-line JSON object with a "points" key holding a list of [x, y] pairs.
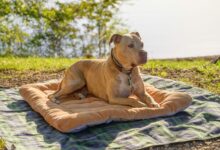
{"points": [[142, 57]]}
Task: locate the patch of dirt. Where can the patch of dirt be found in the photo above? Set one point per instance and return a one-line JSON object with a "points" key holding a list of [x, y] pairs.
{"points": [[12, 78]]}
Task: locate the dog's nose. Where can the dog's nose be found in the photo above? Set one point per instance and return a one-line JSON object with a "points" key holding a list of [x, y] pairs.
{"points": [[143, 56], [143, 53]]}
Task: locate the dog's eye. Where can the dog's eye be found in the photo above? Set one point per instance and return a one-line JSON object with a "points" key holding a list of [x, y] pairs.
{"points": [[131, 45]]}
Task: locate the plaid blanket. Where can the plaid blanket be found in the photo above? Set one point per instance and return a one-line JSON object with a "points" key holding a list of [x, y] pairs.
{"points": [[26, 129]]}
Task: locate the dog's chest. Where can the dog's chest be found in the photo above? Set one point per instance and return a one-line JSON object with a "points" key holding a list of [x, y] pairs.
{"points": [[126, 86]]}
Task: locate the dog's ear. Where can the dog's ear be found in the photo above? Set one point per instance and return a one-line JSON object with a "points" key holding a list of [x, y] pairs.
{"points": [[116, 38], [137, 34]]}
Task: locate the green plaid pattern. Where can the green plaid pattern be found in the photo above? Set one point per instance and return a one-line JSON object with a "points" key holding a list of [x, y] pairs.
{"points": [[26, 129]]}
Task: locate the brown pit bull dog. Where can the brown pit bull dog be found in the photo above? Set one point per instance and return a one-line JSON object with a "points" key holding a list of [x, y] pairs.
{"points": [[114, 79]]}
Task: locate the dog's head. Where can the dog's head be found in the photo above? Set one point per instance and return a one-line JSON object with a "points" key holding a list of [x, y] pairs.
{"points": [[129, 49]]}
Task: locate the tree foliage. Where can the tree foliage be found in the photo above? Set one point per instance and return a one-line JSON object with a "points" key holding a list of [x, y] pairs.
{"points": [[77, 28]]}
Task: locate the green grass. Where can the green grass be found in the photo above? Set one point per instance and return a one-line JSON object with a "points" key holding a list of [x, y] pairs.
{"points": [[2, 144], [53, 64], [35, 63], [180, 64], [197, 72]]}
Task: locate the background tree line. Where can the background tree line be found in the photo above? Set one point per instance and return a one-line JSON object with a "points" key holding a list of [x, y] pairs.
{"points": [[65, 29]]}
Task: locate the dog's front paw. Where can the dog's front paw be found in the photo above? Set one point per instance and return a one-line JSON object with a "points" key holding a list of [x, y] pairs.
{"points": [[152, 103], [155, 105], [138, 104]]}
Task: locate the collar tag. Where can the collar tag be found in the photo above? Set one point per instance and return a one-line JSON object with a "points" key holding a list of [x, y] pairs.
{"points": [[130, 83]]}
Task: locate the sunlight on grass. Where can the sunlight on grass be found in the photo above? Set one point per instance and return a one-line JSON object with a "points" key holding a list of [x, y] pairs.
{"points": [[51, 64], [197, 72], [175, 64], [2, 143], [35, 63]]}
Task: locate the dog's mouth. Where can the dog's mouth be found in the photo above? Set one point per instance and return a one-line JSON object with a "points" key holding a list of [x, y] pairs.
{"points": [[143, 60], [133, 65]]}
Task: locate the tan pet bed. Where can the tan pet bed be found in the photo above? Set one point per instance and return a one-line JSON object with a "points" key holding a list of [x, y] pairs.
{"points": [[73, 115]]}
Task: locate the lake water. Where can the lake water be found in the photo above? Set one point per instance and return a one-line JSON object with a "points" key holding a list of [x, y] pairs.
{"points": [[175, 28]]}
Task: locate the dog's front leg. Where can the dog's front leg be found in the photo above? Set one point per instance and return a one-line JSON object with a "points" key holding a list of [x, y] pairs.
{"points": [[126, 101], [146, 98], [116, 96], [140, 92]]}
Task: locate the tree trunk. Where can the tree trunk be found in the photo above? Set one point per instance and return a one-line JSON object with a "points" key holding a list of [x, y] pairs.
{"points": [[99, 40]]}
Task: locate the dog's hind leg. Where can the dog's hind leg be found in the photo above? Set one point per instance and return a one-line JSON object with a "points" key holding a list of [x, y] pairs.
{"points": [[71, 82]]}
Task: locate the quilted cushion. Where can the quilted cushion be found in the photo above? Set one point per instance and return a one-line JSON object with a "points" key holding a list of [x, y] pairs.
{"points": [[73, 115]]}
